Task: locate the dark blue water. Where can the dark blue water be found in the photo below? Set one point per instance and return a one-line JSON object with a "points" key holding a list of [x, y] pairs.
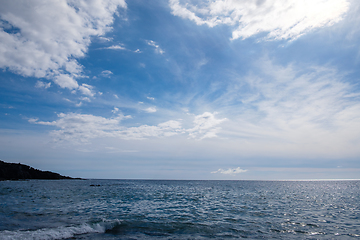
{"points": [[139, 209]]}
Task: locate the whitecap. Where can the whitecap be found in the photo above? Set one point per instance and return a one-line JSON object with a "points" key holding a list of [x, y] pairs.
{"points": [[51, 233]]}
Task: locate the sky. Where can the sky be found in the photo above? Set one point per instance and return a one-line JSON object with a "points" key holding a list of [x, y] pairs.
{"points": [[182, 89]]}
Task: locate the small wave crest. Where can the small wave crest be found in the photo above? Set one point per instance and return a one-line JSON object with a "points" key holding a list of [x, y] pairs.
{"points": [[58, 233]]}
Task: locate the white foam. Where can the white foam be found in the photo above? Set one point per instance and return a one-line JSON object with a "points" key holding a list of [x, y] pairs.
{"points": [[51, 233]]}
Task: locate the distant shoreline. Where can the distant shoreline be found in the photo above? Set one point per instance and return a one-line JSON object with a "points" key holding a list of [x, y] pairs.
{"points": [[18, 171]]}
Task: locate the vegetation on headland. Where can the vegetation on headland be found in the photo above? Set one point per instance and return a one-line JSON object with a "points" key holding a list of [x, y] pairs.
{"points": [[18, 171]]}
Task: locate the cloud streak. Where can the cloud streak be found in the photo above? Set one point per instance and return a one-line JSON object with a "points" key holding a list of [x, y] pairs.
{"points": [[230, 171], [81, 128], [279, 19], [116, 47], [158, 50]]}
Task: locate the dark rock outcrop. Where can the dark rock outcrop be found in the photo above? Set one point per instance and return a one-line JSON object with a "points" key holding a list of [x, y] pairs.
{"points": [[17, 171]]}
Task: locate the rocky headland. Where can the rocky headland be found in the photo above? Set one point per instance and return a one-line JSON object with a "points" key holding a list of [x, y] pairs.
{"points": [[18, 171]]}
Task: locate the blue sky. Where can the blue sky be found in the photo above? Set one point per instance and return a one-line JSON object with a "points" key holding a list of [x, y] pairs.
{"points": [[251, 89]]}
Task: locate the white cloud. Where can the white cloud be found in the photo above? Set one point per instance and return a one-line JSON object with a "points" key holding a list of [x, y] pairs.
{"points": [[51, 36], [66, 81], [205, 126], [165, 129], [157, 47], [86, 90], [115, 110], [105, 39], [150, 109], [116, 96], [168, 127], [230, 171], [280, 19], [85, 99], [83, 127], [150, 98], [106, 73], [116, 47], [40, 84]]}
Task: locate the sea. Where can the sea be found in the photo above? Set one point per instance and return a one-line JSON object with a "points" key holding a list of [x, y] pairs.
{"points": [[162, 209]]}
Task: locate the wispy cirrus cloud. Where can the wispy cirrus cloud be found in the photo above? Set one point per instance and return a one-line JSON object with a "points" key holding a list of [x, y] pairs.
{"points": [[291, 97], [230, 171], [279, 19], [307, 110], [156, 46], [44, 39]]}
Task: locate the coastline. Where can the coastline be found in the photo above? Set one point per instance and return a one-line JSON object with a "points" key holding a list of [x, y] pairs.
{"points": [[18, 171]]}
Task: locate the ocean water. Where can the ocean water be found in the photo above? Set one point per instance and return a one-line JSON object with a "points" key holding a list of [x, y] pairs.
{"points": [[149, 209]]}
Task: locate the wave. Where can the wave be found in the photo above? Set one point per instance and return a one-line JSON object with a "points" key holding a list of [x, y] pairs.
{"points": [[58, 233]]}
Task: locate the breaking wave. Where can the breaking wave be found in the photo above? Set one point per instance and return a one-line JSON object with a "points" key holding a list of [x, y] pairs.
{"points": [[58, 233]]}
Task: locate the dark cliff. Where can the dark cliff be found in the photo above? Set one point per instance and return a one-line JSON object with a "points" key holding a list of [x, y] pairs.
{"points": [[17, 171]]}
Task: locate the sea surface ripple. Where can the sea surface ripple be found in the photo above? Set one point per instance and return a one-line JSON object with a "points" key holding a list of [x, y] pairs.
{"points": [[162, 209]]}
